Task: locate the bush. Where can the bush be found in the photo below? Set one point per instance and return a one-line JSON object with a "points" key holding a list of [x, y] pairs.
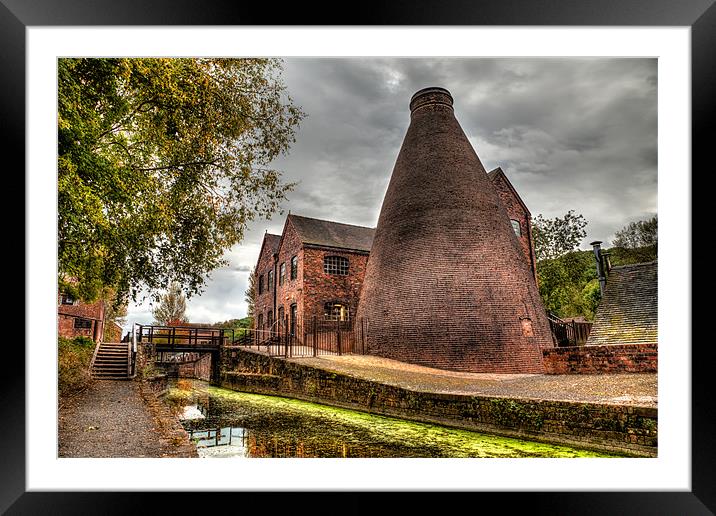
{"points": [[74, 357]]}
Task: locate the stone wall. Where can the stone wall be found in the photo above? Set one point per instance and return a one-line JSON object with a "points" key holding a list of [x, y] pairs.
{"points": [[627, 358], [609, 428]]}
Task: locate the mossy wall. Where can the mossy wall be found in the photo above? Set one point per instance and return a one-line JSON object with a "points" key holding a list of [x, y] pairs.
{"points": [[610, 428]]}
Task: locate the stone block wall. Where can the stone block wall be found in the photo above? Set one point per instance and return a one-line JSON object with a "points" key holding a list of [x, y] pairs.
{"points": [[609, 428], [627, 358]]}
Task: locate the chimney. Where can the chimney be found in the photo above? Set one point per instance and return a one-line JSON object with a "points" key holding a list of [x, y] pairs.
{"points": [[598, 256], [447, 284]]}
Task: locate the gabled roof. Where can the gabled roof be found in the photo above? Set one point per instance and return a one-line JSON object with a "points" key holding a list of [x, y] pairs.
{"points": [[272, 241], [627, 314], [332, 234], [498, 172]]}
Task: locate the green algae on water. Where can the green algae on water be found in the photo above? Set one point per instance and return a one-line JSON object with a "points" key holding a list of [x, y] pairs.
{"points": [[287, 427]]}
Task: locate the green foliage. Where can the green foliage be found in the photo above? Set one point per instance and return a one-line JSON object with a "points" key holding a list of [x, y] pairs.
{"points": [[171, 309], [557, 236], [569, 285], [626, 256], [74, 357], [250, 296], [236, 324], [161, 165], [638, 234]]}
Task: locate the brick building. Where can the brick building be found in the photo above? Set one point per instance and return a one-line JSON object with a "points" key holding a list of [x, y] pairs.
{"points": [[453, 281], [314, 268], [78, 319]]}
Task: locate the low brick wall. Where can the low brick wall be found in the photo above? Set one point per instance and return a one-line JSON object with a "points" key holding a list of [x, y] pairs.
{"points": [[609, 428], [627, 358], [199, 368]]}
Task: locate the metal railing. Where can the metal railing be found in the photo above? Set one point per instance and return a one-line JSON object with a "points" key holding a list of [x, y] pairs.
{"points": [[569, 333], [307, 338], [185, 336]]}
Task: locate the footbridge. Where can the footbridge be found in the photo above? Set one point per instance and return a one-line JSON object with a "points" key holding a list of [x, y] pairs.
{"points": [[164, 340]]}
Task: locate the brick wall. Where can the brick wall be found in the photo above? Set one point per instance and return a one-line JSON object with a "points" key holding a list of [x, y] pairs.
{"points": [[517, 211], [627, 358], [291, 290], [264, 301], [604, 427], [320, 287], [66, 328]]}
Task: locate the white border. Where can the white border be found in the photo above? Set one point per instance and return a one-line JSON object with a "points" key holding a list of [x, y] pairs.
{"points": [[670, 471]]}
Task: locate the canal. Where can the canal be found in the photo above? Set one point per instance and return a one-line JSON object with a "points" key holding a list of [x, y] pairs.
{"points": [[225, 423]]}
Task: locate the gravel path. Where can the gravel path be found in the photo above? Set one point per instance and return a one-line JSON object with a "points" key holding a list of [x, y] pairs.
{"points": [[114, 418], [623, 389]]}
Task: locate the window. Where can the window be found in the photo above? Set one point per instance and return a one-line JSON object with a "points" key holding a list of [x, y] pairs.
{"points": [[333, 311], [269, 319], [270, 280], [261, 284], [83, 324], [282, 274], [516, 227], [67, 299], [335, 265], [281, 315], [260, 324], [294, 267]]}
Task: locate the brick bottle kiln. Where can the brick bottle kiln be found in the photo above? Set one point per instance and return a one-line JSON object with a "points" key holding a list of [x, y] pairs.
{"points": [[446, 285]]}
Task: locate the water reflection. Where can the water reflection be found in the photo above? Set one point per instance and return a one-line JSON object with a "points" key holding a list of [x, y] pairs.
{"points": [[225, 423]]}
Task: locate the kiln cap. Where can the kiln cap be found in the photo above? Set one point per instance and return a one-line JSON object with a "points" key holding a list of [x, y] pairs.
{"points": [[431, 95]]}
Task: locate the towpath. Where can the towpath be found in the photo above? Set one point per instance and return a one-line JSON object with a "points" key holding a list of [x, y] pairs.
{"points": [[623, 389], [113, 418]]}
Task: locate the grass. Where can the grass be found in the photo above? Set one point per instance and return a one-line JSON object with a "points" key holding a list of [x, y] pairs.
{"points": [[73, 362]]}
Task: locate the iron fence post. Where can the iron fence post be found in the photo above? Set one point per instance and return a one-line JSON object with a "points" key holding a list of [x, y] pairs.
{"points": [[315, 336]]}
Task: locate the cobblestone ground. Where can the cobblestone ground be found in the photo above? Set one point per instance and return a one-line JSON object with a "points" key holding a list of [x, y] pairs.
{"points": [[623, 389], [113, 418]]}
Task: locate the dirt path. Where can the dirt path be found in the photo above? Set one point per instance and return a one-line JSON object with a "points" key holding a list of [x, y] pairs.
{"points": [[113, 418]]}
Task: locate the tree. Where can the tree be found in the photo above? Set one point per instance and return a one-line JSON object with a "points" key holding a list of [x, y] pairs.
{"points": [[114, 313], [638, 234], [161, 165], [171, 308], [557, 236], [250, 297]]}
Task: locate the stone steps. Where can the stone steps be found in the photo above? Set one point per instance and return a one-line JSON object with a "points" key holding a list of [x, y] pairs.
{"points": [[111, 362]]}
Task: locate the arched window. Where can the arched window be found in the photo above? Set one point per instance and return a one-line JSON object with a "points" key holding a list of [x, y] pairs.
{"points": [[260, 324], [516, 227], [335, 265], [335, 311]]}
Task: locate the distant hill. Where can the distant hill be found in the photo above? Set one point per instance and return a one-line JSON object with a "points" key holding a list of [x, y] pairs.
{"points": [[246, 322]]}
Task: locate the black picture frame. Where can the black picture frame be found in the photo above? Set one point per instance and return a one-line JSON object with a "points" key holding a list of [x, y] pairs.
{"points": [[700, 15]]}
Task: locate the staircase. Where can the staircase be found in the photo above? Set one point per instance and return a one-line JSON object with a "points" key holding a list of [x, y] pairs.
{"points": [[111, 361]]}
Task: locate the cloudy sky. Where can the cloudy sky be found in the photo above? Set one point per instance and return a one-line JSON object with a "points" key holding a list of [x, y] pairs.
{"points": [[569, 133]]}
